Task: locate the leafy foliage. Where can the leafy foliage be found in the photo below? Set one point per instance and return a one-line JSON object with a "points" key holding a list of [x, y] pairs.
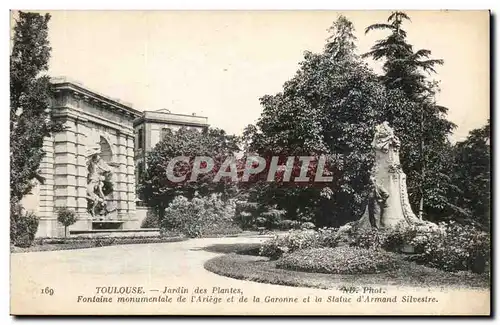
{"points": [[23, 226], [328, 108], [447, 246], [289, 224], [66, 217], [272, 218], [151, 220], [251, 215], [450, 247], [155, 187], [403, 67], [200, 216], [368, 238], [30, 117], [416, 118], [30, 92], [471, 177], [307, 225], [246, 214]]}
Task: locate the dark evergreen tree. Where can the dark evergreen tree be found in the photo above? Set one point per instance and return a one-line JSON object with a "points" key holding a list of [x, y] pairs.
{"points": [[419, 121], [30, 94]]}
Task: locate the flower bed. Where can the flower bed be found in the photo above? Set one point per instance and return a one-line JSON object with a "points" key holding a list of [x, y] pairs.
{"points": [[340, 260], [261, 269], [54, 244]]}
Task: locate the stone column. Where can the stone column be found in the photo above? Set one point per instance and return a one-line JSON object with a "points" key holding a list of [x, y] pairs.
{"points": [[48, 219], [131, 184], [65, 163], [121, 177], [84, 218]]}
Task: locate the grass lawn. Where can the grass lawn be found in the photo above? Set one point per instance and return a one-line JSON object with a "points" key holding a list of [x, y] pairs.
{"points": [[242, 249], [82, 242], [236, 264]]}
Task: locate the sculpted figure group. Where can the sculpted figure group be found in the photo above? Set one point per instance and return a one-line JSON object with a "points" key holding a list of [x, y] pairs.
{"points": [[98, 171]]}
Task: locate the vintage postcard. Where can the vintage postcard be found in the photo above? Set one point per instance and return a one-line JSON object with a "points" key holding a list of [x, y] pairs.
{"points": [[250, 163]]}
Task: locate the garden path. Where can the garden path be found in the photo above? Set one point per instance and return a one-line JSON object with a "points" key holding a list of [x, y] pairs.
{"points": [[73, 273]]}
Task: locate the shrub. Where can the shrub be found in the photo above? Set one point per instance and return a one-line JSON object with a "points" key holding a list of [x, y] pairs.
{"points": [[286, 224], [340, 260], [260, 222], [290, 224], [23, 226], [66, 217], [307, 225], [245, 220], [289, 242], [351, 235], [395, 239], [328, 237], [344, 234], [454, 247], [220, 228], [368, 238], [447, 246], [306, 214], [272, 218], [200, 216], [245, 214], [298, 239], [251, 215], [152, 219]]}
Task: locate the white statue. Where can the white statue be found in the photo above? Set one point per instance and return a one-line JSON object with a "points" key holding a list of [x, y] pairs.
{"points": [[97, 169], [388, 205]]}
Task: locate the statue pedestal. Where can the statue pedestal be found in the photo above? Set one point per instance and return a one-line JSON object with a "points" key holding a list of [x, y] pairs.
{"points": [[107, 224], [82, 223]]}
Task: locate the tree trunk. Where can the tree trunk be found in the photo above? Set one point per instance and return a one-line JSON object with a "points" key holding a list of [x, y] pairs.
{"points": [[422, 164], [421, 206], [65, 231], [161, 212]]}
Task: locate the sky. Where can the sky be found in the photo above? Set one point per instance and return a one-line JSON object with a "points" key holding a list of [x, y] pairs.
{"points": [[218, 64]]}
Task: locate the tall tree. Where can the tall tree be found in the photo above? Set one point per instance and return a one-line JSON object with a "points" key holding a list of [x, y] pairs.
{"points": [[158, 191], [328, 108], [471, 175], [30, 93], [421, 123]]}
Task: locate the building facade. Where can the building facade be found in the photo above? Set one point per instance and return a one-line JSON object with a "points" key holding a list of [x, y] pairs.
{"points": [[152, 126], [90, 167]]}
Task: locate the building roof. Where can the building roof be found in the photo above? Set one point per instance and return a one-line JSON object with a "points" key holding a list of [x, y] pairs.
{"points": [[63, 83], [163, 116]]}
